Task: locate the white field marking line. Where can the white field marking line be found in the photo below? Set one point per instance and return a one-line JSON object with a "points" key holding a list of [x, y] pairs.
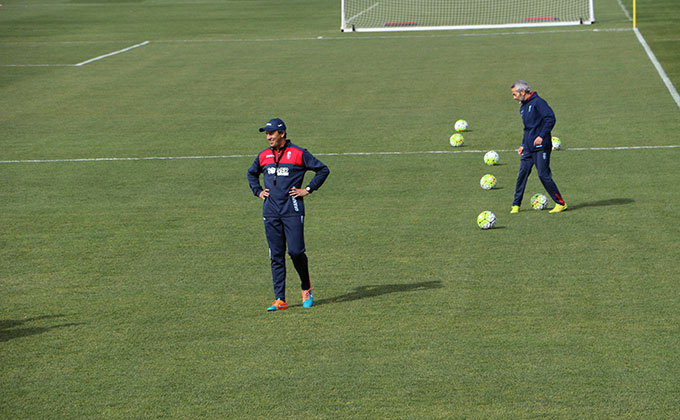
{"points": [[332, 38], [657, 66], [625, 11], [652, 57], [79, 64], [35, 43], [361, 37], [432, 152], [36, 65], [340, 38], [114, 159], [110, 54], [362, 12]]}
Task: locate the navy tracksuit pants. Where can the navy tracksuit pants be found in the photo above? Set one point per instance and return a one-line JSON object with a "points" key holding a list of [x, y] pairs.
{"points": [[281, 231], [542, 161]]}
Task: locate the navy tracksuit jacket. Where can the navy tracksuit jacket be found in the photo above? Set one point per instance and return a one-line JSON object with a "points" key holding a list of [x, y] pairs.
{"points": [[539, 120], [284, 215]]}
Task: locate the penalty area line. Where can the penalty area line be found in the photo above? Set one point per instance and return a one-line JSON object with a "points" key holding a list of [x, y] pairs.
{"points": [[91, 60], [111, 54], [431, 152]]}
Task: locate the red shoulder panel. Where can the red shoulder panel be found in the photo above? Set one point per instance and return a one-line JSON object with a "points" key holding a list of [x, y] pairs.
{"points": [[292, 156], [266, 157]]}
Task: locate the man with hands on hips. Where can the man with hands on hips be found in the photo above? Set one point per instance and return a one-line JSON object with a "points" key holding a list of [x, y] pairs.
{"points": [[283, 166]]}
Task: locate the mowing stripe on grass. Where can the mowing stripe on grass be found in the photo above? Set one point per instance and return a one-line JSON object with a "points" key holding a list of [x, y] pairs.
{"points": [[364, 37], [431, 152], [354, 37], [648, 50]]}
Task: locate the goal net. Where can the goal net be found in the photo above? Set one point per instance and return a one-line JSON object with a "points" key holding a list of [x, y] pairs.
{"points": [[421, 15]]}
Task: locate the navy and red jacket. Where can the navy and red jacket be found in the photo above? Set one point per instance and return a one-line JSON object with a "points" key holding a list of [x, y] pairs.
{"points": [[285, 169], [539, 120]]}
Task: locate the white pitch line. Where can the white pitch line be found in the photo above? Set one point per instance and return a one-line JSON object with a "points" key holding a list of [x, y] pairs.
{"points": [[579, 149], [652, 57], [110, 54], [115, 159], [657, 66], [36, 65], [431, 152], [79, 64], [362, 37], [355, 37], [625, 11]]}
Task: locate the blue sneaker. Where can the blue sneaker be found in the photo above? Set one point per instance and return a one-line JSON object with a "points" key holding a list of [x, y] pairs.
{"points": [[307, 299]]}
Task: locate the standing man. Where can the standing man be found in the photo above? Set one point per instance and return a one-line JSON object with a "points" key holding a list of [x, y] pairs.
{"points": [[284, 165], [539, 120]]}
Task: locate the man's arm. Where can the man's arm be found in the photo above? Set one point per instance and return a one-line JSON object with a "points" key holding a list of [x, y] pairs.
{"points": [[254, 179], [547, 121], [314, 164]]}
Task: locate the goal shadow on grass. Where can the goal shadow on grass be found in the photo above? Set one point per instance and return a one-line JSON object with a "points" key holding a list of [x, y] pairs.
{"points": [[364, 292], [602, 203], [14, 328]]}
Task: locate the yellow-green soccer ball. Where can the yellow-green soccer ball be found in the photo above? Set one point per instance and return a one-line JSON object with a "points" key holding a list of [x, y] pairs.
{"points": [[538, 201], [491, 158], [487, 182], [486, 220], [456, 140], [557, 143], [460, 125]]}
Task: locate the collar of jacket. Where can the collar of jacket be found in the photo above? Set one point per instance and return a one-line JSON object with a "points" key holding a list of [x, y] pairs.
{"points": [[531, 95]]}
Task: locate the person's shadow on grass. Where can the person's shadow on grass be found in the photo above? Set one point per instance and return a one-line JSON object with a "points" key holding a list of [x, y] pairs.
{"points": [[14, 328], [363, 292], [602, 203]]}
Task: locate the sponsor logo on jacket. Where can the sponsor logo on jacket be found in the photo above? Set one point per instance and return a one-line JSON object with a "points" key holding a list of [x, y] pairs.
{"points": [[283, 171]]}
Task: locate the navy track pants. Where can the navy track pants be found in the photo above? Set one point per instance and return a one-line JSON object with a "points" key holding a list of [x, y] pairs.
{"points": [[542, 161], [281, 231]]}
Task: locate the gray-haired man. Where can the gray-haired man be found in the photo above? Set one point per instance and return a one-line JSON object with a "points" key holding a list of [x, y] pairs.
{"points": [[539, 120]]}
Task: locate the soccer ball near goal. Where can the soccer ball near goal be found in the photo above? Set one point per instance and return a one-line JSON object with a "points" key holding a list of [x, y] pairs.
{"points": [[461, 125], [487, 182], [456, 140], [491, 158], [486, 220], [557, 143], [538, 201]]}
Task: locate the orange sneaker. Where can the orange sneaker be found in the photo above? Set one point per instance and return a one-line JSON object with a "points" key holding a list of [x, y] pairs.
{"points": [[278, 305]]}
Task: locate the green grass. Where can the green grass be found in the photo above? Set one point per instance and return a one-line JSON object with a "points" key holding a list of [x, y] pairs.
{"points": [[136, 289]]}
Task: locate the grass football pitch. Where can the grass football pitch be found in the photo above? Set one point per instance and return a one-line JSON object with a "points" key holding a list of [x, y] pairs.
{"points": [[134, 273]]}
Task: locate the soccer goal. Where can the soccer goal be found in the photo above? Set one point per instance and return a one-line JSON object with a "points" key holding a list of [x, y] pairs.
{"points": [[434, 15]]}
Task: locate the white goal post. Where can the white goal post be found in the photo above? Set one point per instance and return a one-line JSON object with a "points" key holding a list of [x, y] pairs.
{"points": [[435, 15]]}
